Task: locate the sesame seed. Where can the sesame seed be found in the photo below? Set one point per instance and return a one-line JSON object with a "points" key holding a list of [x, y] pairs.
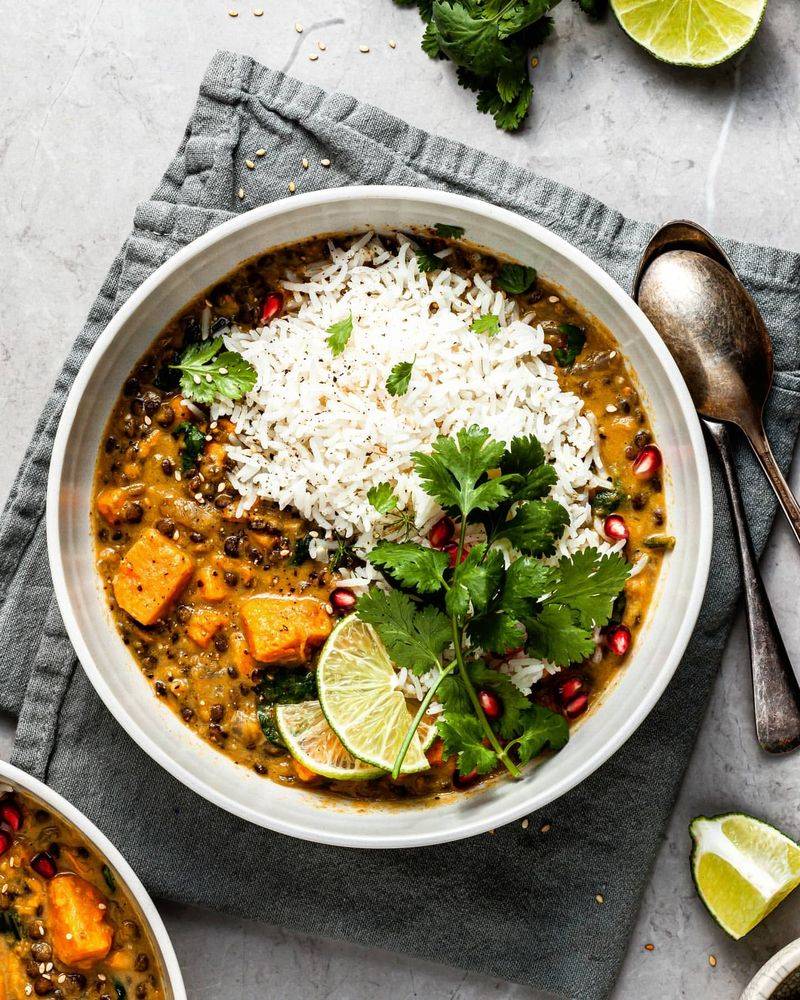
{"points": [[392, 43], [525, 824], [258, 12], [102, 906], [329, 609], [363, 48], [649, 947], [534, 62], [298, 27], [196, 379], [325, 163], [177, 476], [249, 164], [42, 968], [612, 355], [599, 899], [712, 961], [62, 978], [261, 152], [305, 163], [68, 936], [553, 299], [147, 421], [221, 488], [545, 829], [313, 56], [213, 425], [240, 193], [222, 371], [175, 535], [209, 378], [322, 46], [611, 408], [28, 990], [292, 187], [233, 13], [198, 496]]}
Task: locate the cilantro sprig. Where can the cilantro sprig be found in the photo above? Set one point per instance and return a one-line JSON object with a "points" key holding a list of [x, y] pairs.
{"points": [[448, 611], [339, 334], [399, 378], [208, 372]]}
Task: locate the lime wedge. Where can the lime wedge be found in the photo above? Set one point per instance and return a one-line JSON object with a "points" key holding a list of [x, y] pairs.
{"points": [[742, 869], [690, 32], [356, 681], [311, 740]]}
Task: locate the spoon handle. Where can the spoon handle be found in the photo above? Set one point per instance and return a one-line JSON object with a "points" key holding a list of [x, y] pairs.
{"points": [[760, 445], [776, 694]]}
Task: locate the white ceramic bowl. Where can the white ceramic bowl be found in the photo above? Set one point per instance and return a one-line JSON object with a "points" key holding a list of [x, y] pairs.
{"points": [[120, 683], [782, 969], [22, 782]]}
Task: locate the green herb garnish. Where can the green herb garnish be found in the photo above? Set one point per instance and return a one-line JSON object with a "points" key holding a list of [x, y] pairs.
{"points": [[444, 230], [489, 324], [447, 617], [427, 261], [516, 279], [606, 501], [399, 378], [10, 923], [110, 881], [300, 550], [208, 372], [193, 443], [574, 339], [339, 334], [666, 542], [382, 498], [282, 689]]}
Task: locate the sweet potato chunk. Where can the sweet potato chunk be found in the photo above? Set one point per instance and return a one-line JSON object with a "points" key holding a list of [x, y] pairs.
{"points": [[242, 660], [211, 584], [283, 629], [204, 625], [151, 576], [80, 934], [111, 502]]}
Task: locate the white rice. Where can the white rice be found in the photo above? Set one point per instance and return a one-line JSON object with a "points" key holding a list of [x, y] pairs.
{"points": [[317, 432]]}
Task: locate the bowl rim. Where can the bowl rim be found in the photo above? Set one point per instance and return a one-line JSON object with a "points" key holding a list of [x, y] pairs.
{"points": [[772, 973], [99, 840], [436, 199]]}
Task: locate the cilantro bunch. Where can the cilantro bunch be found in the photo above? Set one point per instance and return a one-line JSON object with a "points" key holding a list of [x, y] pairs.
{"points": [[450, 615], [489, 42]]}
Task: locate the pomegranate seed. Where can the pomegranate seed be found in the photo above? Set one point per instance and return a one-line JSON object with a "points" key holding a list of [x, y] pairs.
{"points": [[647, 462], [343, 600], [442, 532], [452, 551], [5, 842], [11, 815], [273, 304], [43, 864], [577, 706], [615, 529], [464, 781], [568, 690], [490, 703], [618, 640]]}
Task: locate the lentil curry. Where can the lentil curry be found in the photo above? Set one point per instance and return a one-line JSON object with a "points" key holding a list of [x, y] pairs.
{"points": [[68, 927], [222, 608]]}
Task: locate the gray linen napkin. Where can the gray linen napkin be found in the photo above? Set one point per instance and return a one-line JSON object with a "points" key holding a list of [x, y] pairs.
{"points": [[519, 904]]}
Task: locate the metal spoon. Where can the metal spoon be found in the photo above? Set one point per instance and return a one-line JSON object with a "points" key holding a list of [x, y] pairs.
{"points": [[686, 286]]}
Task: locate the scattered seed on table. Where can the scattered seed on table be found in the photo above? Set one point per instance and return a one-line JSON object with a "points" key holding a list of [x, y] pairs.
{"points": [[534, 62], [363, 48], [392, 43], [599, 899], [240, 193], [261, 152], [292, 187], [649, 947], [258, 12], [525, 824], [712, 961], [325, 163], [249, 164], [298, 27], [305, 163], [312, 57], [233, 13], [321, 46], [546, 828]]}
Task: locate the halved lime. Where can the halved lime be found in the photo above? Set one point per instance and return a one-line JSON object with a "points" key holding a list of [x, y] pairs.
{"points": [[690, 32], [356, 682], [310, 739], [742, 869]]}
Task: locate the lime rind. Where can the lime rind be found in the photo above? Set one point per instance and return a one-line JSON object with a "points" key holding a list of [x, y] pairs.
{"points": [[358, 693], [742, 869], [696, 33], [312, 742]]}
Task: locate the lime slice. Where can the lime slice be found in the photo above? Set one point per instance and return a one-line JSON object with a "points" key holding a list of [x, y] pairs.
{"points": [[690, 32], [357, 688], [742, 869], [427, 731], [311, 740]]}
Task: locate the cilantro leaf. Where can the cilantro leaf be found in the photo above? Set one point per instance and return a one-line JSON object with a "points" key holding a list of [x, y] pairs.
{"points": [[382, 498], [515, 703], [468, 38], [574, 339], [535, 527], [594, 8], [300, 552], [463, 736], [489, 324], [496, 631], [516, 278], [193, 443], [411, 564], [206, 373], [283, 689], [453, 695], [508, 116], [527, 580], [430, 42], [475, 580], [339, 334], [427, 261], [413, 638], [542, 728], [445, 230], [399, 378], [522, 455], [588, 584], [515, 16], [554, 635], [453, 473]]}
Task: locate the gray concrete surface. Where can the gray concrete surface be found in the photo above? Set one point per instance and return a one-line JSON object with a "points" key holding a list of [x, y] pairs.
{"points": [[93, 98]]}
